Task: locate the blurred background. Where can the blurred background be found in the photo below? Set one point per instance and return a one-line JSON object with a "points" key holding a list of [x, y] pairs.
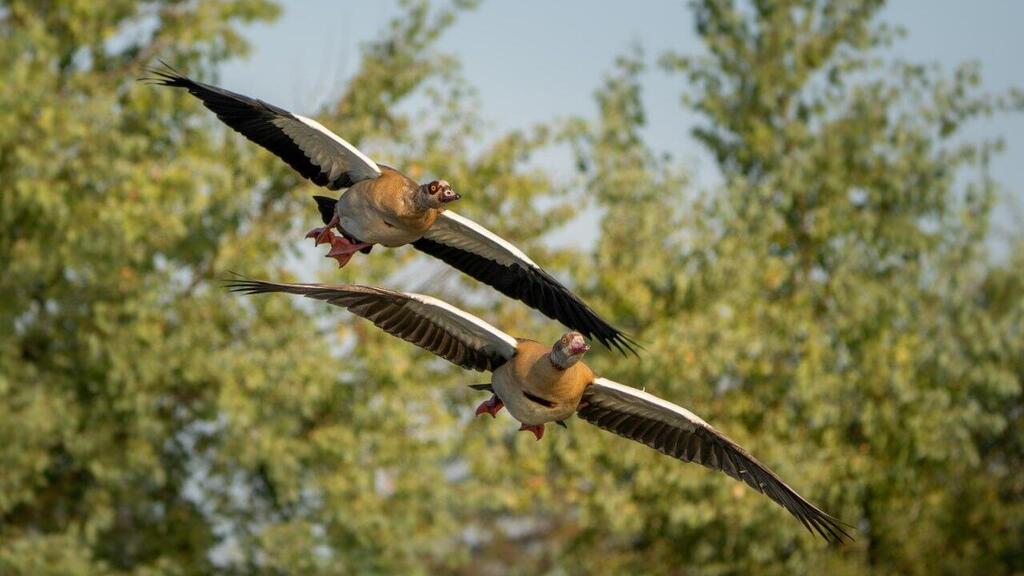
{"points": [[808, 211]]}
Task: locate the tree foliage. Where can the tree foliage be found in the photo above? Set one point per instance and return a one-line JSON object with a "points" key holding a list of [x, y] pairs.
{"points": [[832, 306]]}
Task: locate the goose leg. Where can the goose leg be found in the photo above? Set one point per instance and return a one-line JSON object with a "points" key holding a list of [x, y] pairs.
{"points": [[491, 406], [537, 429], [324, 235], [342, 249]]}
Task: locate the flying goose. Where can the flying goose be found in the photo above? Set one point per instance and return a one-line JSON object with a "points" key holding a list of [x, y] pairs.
{"points": [[384, 206], [540, 384]]}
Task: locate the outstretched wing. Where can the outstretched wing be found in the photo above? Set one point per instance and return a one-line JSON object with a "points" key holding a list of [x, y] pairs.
{"points": [[482, 254], [436, 326], [312, 150], [677, 432]]}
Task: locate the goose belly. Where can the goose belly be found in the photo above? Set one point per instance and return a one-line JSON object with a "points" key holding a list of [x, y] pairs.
{"points": [[376, 230], [510, 391], [361, 218]]}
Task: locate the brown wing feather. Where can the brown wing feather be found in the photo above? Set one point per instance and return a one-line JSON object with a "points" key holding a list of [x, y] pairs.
{"points": [[398, 314], [675, 431]]}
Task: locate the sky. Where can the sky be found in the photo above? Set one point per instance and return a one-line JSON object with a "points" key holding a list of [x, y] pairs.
{"points": [[533, 61]]}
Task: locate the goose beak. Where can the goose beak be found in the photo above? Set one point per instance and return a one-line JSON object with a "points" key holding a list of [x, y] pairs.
{"points": [[578, 346]]}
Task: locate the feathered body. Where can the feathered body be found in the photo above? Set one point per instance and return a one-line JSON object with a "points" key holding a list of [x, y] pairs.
{"points": [[531, 372], [385, 210]]}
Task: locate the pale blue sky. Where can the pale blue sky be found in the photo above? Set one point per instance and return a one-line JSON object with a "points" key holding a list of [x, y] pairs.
{"points": [[534, 60]]}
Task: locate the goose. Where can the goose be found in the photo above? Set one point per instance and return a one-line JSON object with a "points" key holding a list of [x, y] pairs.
{"points": [[541, 384], [384, 206]]}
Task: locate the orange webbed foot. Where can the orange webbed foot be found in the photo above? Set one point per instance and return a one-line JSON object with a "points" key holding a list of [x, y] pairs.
{"points": [[537, 429], [322, 235], [342, 249], [491, 406]]}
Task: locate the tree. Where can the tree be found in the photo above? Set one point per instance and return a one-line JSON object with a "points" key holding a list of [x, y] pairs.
{"points": [[154, 423], [108, 218], [831, 305]]}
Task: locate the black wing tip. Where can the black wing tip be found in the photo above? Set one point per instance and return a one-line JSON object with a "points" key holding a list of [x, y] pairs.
{"points": [[612, 338], [244, 285], [235, 278], [833, 530], [817, 521], [166, 75], [622, 342]]}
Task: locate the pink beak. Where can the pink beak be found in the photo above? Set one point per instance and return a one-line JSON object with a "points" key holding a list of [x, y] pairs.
{"points": [[578, 346]]}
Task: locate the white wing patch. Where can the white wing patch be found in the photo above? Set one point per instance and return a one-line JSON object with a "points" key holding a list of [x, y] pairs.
{"points": [[643, 398], [460, 232], [332, 153], [461, 322]]}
